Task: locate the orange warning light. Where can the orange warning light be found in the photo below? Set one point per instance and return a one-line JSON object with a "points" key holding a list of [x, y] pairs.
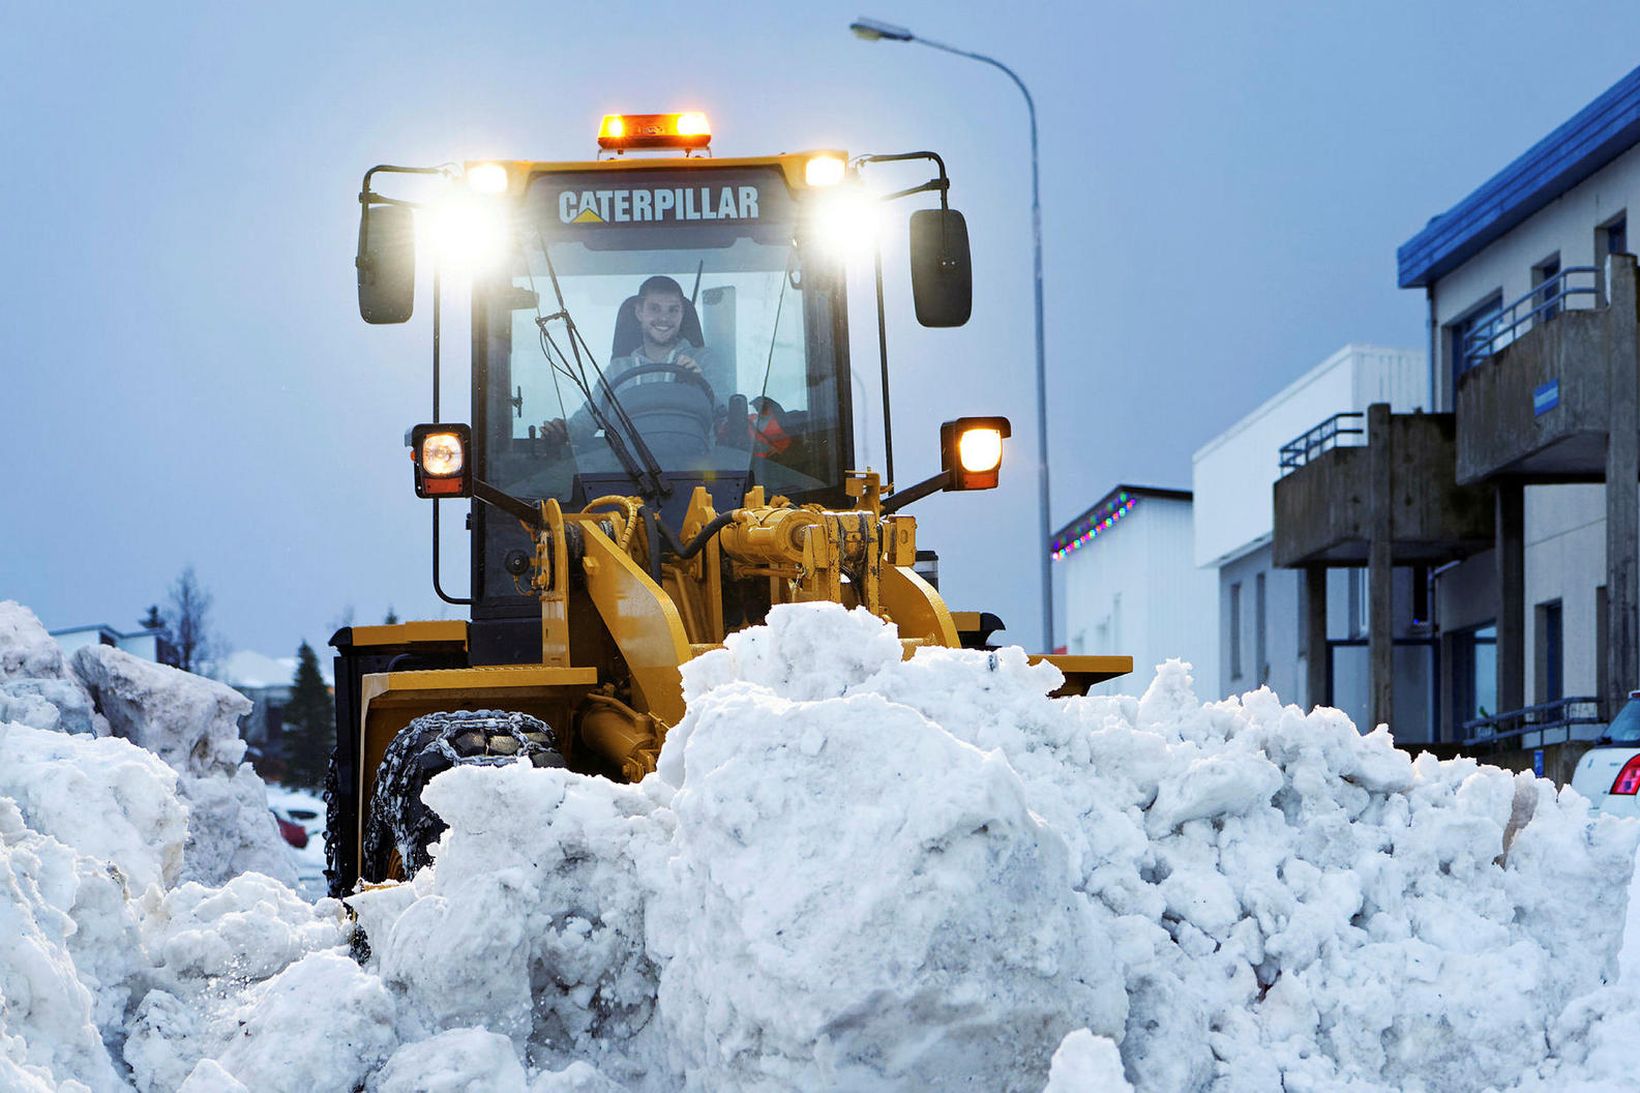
{"points": [[622, 131]]}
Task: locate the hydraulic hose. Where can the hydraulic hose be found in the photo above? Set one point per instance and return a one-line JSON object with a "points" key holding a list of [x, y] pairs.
{"points": [[693, 547]]}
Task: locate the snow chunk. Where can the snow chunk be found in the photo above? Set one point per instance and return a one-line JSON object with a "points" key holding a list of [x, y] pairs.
{"points": [[103, 797], [26, 650], [193, 724], [37, 686], [48, 1036], [466, 1060], [791, 965], [322, 1023], [189, 721], [1084, 1063]]}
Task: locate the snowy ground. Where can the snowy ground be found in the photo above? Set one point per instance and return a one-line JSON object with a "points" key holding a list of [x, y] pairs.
{"points": [[851, 871]]}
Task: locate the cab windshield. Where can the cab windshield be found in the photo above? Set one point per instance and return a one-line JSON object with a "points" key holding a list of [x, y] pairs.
{"points": [[661, 321]]}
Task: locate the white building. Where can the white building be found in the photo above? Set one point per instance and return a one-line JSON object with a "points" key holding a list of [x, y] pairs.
{"points": [[1259, 621], [1131, 587], [148, 644], [1540, 370]]}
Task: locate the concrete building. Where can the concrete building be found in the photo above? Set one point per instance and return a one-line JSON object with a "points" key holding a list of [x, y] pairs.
{"points": [[1500, 529], [1532, 304], [1130, 586], [1261, 605]]}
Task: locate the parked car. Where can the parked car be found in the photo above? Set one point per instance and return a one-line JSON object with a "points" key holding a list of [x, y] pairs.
{"points": [[1609, 773], [291, 831]]}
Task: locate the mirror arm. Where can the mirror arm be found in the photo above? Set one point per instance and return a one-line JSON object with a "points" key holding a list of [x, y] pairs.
{"points": [[366, 197], [901, 498], [941, 184]]}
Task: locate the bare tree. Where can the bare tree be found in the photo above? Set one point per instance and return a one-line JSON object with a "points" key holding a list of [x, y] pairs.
{"points": [[188, 618]]}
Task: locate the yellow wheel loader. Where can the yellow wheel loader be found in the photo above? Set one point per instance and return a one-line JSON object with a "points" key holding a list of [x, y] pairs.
{"points": [[661, 449]]}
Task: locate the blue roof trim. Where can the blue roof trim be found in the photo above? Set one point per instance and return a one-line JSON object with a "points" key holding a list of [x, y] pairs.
{"points": [[1596, 135]]}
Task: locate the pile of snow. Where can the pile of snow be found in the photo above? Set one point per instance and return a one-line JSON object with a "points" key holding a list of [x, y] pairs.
{"points": [[188, 722], [854, 871]]}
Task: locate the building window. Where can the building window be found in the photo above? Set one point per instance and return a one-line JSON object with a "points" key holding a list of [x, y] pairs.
{"points": [[1616, 233], [1356, 584], [1261, 662], [1550, 634], [1458, 334], [1610, 238], [1235, 630], [1474, 675], [1544, 276]]}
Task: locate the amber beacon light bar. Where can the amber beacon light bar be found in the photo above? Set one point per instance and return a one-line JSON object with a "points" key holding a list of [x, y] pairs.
{"points": [[621, 132]]}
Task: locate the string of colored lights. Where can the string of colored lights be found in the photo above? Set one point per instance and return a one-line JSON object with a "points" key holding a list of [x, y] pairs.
{"points": [[1099, 523]]}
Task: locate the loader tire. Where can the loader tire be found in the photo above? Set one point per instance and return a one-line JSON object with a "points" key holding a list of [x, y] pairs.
{"points": [[399, 826], [335, 821]]}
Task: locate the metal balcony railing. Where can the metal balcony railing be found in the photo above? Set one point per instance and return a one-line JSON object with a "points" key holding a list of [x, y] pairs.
{"points": [[1556, 294], [1546, 717], [1301, 449]]}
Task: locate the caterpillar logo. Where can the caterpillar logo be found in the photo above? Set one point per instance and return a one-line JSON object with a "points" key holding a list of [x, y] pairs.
{"points": [[648, 206]]}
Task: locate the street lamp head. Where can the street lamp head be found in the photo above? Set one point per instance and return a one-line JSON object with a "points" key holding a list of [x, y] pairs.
{"points": [[873, 29]]}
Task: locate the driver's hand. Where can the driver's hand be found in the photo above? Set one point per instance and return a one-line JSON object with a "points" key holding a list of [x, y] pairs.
{"points": [[554, 432], [684, 360]]}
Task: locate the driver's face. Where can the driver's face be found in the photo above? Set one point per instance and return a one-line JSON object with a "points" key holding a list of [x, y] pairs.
{"points": [[661, 317]]}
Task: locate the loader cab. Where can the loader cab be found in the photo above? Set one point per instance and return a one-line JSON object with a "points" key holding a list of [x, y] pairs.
{"points": [[572, 397]]}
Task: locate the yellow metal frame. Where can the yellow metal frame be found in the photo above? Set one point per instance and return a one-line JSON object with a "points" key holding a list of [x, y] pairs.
{"points": [[441, 631], [793, 165], [1082, 672]]}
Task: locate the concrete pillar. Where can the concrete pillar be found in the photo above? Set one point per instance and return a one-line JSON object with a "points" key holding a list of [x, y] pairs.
{"points": [[1315, 636], [1380, 567], [1510, 557], [1622, 499]]}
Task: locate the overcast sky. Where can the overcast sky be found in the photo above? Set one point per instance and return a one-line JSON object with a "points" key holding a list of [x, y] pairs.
{"points": [[184, 377]]}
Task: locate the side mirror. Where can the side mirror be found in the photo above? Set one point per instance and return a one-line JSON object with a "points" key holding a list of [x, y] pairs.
{"points": [[942, 273], [386, 263]]}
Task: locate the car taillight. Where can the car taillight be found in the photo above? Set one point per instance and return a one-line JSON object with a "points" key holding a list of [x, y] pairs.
{"points": [[1628, 779]]}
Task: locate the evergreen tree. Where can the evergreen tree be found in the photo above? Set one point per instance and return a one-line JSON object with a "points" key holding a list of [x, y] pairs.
{"points": [[392, 618], [310, 723]]}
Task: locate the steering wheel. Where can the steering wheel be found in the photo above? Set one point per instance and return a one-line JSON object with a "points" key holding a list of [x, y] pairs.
{"points": [[687, 375]]}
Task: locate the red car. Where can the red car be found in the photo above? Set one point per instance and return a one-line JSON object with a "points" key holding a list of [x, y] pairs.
{"points": [[293, 832]]}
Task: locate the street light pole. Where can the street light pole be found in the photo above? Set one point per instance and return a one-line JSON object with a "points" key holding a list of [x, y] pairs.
{"points": [[873, 30]]}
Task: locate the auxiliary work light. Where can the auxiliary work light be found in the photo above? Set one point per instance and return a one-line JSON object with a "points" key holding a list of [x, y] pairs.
{"points": [[620, 132], [970, 459], [440, 455], [824, 170], [971, 451], [487, 178]]}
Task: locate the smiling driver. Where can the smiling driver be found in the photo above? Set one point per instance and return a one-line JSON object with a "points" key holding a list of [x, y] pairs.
{"points": [[660, 308]]}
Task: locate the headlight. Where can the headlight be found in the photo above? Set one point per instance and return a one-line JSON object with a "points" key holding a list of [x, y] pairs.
{"points": [[845, 221], [468, 229], [824, 170], [487, 178], [442, 454], [971, 451], [980, 449]]}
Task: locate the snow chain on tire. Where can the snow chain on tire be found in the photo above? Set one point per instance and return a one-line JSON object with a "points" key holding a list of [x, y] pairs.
{"points": [[429, 745]]}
